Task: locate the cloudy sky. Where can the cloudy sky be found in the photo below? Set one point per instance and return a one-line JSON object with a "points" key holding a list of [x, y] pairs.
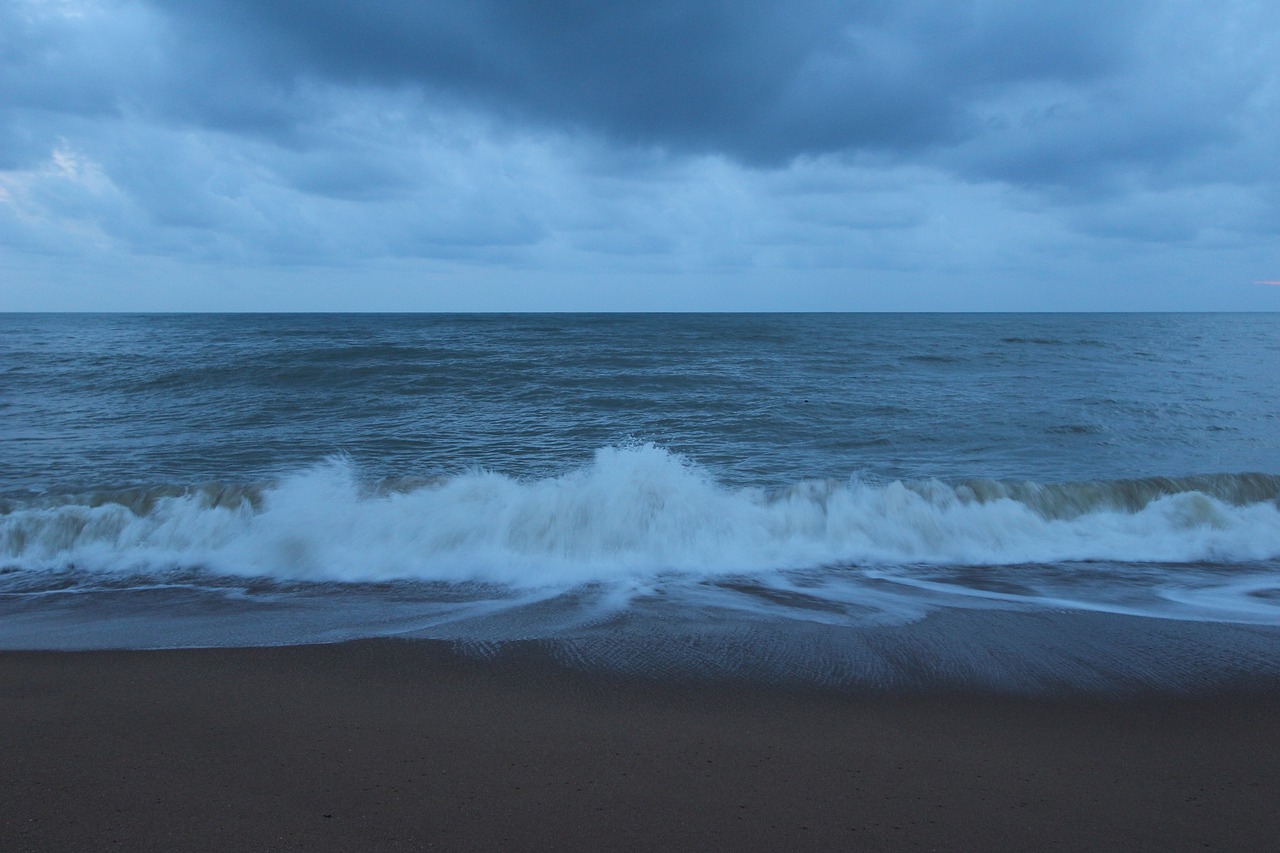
{"points": [[662, 155]]}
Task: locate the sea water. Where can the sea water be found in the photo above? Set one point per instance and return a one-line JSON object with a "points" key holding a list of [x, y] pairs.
{"points": [[808, 496]]}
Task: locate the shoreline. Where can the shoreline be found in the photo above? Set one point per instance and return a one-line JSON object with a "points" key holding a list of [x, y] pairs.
{"points": [[407, 745], [1040, 653]]}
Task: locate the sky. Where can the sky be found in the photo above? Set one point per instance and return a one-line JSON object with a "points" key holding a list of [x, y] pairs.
{"points": [[566, 155]]}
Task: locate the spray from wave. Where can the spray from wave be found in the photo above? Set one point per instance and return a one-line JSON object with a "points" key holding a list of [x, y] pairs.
{"points": [[634, 512]]}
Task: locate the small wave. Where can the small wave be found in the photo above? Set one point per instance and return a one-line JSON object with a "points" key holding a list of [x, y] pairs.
{"points": [[1074, 429], [143, 500], [1034, 340], [634, 513], [929, 358]]}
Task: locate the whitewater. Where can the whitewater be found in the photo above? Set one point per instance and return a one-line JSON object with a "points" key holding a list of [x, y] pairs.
{"points": [[639, 515]]}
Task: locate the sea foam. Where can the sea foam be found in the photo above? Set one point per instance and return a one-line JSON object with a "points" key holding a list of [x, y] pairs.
{"points": [[634, 512]]}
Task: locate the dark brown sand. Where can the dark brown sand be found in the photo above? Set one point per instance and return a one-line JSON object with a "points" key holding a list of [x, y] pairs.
{"points": [[399, 746]]}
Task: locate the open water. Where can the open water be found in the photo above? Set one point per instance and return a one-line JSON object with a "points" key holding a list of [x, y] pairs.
{"points": [[995, 499]]}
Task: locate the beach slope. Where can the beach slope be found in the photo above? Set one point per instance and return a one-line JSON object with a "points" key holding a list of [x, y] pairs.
{"points": [[385, 745]]}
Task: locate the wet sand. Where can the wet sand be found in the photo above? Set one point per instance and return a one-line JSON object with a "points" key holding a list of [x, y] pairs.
{"points": [[384, 745]]}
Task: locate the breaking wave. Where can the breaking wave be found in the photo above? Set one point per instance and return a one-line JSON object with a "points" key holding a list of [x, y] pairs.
{"points": [[633, 512]]}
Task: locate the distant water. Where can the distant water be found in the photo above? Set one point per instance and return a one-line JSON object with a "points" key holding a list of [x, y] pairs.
{"points": [[718, 491]]}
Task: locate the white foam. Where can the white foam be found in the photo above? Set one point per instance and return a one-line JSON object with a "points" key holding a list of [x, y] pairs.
{"points": [[634, 513]]}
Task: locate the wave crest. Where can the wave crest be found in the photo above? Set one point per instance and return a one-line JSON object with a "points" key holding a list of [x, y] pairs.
{"points": [[633, 512]]}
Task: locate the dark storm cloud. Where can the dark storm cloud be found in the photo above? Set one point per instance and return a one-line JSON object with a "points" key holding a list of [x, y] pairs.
{"points": [[982, 138], [1033, 93], [763, 82]]}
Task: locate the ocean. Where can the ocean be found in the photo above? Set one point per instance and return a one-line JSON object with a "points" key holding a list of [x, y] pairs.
{"points": [[950, 501]]}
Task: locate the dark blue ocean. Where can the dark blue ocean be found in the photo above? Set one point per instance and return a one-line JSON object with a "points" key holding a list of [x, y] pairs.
{"points": [[974, 499]]}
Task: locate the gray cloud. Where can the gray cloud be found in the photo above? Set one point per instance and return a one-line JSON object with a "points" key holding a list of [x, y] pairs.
{"points": [[761, 82], [981, 137], [1033, 93]]}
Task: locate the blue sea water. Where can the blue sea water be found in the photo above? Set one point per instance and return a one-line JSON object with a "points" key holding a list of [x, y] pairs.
{"points": [[811, 494]]}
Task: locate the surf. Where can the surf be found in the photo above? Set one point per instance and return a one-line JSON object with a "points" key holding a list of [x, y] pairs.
{"points": [[632, 512]]}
